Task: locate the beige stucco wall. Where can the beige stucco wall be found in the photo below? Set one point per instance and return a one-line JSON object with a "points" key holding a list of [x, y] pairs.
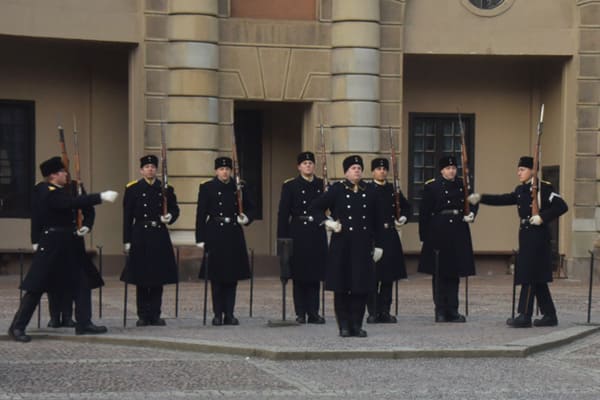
{"points": [[66, 79]]}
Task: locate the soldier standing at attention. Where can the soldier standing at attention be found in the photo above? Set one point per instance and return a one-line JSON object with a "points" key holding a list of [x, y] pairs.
{"points": [[219, 232], [56, 264], [443, 227], [391, 267], [350, 273], [534, 260], [151, 260], [308, 237]]}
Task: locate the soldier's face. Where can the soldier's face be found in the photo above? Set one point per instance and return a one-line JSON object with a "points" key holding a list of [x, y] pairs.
{"points": [[223, 173], [524, 174], [148, 171], [380, 174], [306, 168], [449, 172], [354, 173], [59, 178]]}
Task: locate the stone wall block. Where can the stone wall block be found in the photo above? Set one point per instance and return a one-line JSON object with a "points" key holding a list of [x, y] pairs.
{"points": [[355, 34], [193, 55], [354, 61], [355, 87], [355, 113], [193, 109], [192, 82], [206, 7], [353, 10], [200, 28]]}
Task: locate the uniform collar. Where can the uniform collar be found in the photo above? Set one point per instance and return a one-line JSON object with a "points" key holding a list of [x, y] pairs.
{"points": [[150, 181], [360, 185], [380, 183], [304, 178]]}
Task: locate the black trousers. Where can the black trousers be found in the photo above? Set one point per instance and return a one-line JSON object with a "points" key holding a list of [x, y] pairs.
{"points": [[445, 294], [349, 309], [539, 291], [30, 301], [223, 297], [380, 301], [149, 302], [306, 298], [60, 305]]}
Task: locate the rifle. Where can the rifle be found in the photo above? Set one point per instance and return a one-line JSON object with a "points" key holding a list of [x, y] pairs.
{"points": [[465, 168], [535, 181], [163, 162], [394, 165], [63, 151], [77, 186], [324, 160], [236, 174]]}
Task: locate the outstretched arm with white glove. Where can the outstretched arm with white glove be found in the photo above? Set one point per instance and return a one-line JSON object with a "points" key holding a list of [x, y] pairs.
{"points": [[109, 195], [474, 198]]}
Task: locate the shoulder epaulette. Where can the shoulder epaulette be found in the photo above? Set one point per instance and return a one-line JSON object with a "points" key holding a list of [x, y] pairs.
{"points": [[289, 180], [429, 181], [50, 187], [131, 183]]}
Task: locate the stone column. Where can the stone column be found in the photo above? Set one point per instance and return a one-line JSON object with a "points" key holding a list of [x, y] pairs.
{"points": [[355, 42], [586, 219]]}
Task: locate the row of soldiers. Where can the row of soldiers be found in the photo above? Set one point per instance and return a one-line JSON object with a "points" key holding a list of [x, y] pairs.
{"points": [[359, 264]]}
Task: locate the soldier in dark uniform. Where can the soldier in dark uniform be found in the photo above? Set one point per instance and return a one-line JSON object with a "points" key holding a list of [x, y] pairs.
{"points": [[350, 273], [219, 232], [60, 303], [308, 237], [391, 267], [151, 260], [57, 262], [534, 261], [443, 227]]}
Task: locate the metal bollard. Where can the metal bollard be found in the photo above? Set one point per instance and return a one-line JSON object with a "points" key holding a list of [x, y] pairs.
{"points": [[589, 310]]}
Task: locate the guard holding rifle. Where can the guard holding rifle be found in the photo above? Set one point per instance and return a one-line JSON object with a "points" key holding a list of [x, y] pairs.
{"points": [[309, 239], [443, 227], [350, 273], [534, 261], [57, 261], [222, 209], [147, 210], [391, 267]]}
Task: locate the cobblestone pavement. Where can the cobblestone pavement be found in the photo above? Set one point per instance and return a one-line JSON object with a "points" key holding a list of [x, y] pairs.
{"points": [[57, 369]]}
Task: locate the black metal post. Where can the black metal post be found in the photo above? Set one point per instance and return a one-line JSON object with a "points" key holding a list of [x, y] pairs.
{"points": [[125, 306], [251, 279], [101, 276], [396, 289], [589, 311], [177, 285], [466, 295]]}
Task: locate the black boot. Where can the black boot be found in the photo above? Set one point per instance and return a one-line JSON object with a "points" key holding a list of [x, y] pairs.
{"points": [[315, 319], [22, 317], [440, 316], [522, 321], [54, 323], [372, 319], [89, 329], [546, 320], [230, 320], [345, 329], [455, 316], [358, 331], [387, 318]]}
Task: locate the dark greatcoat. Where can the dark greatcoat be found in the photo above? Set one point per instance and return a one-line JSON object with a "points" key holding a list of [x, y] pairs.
{"points": [[447, 233], [534, 260], [59, 261], [391, 267], [308, 237], [151, 261], [350, 260], [223, 241]]}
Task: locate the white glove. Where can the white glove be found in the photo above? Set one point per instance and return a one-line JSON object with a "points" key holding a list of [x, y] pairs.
{"points": [[474, 198], [165, 219], [469, 218], [377, 254], [109, 195], [126, 248], [200, 245], [333, 226], [536, 220], [34, 247], [242, 219], [399, 222], [84, 230]]}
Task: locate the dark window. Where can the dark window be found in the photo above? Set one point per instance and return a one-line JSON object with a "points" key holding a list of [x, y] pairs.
{"points": [[17, 171], [486, 4], [433, 136], [248, 135]]}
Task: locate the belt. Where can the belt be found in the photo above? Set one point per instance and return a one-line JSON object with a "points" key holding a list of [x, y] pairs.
{"points": [[149, 223], [449, 212], [226, 220], [525, 222], [308, 218], [60, 229]]}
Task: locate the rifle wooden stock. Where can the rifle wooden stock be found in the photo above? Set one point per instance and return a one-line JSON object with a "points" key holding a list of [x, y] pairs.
{"points": [[465, 168], [323, 159], [236, 174], [535, 181], [394, 166]]}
